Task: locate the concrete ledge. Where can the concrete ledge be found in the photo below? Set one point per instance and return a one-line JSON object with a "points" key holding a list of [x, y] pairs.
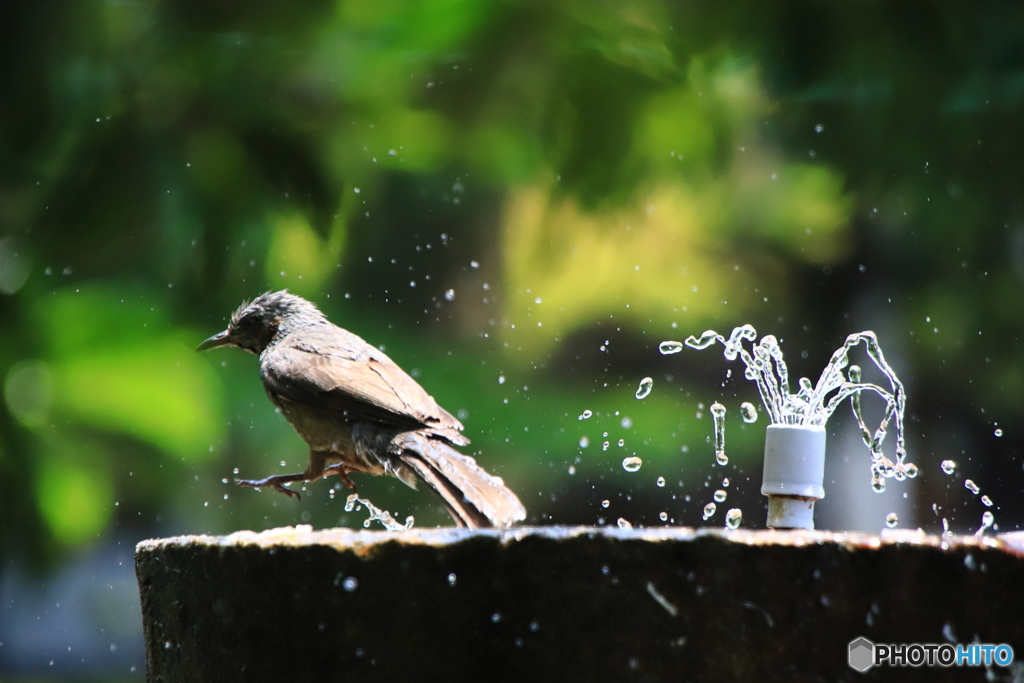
{"points": [[588, 604]]}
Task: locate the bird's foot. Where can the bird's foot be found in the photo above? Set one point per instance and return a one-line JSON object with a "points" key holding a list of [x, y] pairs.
{"points": [[342, 471], [276, 482]]}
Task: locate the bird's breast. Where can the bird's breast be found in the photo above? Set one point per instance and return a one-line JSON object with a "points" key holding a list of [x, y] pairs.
{"points": [[320, 429]]}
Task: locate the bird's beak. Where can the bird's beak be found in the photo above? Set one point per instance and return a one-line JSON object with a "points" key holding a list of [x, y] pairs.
{"points": [[219, 339]]}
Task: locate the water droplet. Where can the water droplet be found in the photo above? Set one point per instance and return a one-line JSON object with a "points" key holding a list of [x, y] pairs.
{"points": [[998, 432], [622, 442], [586, 415], [663, 516], [709, 510], [718, 414], [891, 520], [986, 521], [660, 482], [605, 503], [452, 579], [720, 496], [646, 384], [986, 501], [495, 618], [733, 518], [624, 523], [877, 484], [725, 482], [604, 446], [971, 486], [948, 466], [450, 295], [626, 422], [632, 463], [885, 467], [584, 442], [501, 379], [911, 470], [706, 339], [669, 347], [819, 128], [283, 463], [350, 583], [748, 411]]}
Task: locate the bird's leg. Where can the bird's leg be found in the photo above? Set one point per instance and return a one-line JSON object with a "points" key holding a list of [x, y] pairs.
{"points": [[342, 471], [276, 482], [314, 470]]}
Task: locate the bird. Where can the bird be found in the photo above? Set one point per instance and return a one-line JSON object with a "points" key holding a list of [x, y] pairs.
{"points": [[358, 411]]}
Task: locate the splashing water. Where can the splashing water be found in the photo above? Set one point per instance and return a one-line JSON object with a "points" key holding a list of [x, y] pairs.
{"points": [[720, 496], [733, 518], [646, 384], [669, 347], [891, 520], [748, 411], [813, 404], [718, 415], [632, 463], [382, 516], [709, 510], [948, 466], [971, 486], [986, 521]]}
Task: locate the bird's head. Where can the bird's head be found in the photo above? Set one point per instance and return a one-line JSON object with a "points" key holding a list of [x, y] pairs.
{"points": [[255, 324]]}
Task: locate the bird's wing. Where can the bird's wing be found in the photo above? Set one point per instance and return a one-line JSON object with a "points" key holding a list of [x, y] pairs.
{"points": [[335, 370]]}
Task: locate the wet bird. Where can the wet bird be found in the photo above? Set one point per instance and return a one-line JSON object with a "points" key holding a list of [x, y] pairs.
{"points": [[358, 411]]}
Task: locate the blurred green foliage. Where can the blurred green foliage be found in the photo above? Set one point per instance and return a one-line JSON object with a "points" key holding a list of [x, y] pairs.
{"points": [[519, 200]]}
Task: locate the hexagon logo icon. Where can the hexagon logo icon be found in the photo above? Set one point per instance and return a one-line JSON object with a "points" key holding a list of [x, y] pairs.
{"points": [[862, 654]]}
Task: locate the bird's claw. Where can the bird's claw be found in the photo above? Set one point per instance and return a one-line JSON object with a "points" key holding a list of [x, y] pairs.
{"points": [[269, 481]]}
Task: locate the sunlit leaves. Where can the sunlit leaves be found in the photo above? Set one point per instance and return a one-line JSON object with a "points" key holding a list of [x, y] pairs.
{"points": [[28, 392], [116, 365], [160, 392], [298, 259], [75, 496]]}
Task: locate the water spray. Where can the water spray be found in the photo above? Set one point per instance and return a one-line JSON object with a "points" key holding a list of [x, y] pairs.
{"points": [[794, 453]]}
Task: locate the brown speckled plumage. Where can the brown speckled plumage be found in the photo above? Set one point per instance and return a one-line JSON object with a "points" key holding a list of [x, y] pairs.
{"points": [[358, 411]]}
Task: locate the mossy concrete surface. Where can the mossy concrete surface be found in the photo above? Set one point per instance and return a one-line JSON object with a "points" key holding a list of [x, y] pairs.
{"points": [[567, 604]]}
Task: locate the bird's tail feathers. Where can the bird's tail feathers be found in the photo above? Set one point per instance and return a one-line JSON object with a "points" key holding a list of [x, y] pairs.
{"points": [[474, 498]]}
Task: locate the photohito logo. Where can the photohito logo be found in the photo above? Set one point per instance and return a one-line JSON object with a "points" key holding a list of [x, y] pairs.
{"points": [[863, 654]]}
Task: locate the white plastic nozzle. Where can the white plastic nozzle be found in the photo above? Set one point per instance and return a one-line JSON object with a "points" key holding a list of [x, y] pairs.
{"points": [[794, 469]]}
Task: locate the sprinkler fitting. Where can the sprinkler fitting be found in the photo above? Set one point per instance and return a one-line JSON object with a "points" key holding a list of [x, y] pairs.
{"points": [[794, 469]]}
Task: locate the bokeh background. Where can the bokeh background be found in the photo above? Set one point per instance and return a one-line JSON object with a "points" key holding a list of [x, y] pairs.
{"points": [[518, 201]]}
